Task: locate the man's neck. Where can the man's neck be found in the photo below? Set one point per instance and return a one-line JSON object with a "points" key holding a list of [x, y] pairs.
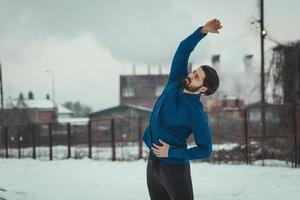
{"points": [[186, 91]]}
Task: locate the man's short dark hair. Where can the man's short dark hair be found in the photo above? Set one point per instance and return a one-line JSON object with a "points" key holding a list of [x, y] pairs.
{"points": [[211, 80]]}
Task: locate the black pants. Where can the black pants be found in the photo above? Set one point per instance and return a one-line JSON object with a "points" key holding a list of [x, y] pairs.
{"points": [[169, 181]]}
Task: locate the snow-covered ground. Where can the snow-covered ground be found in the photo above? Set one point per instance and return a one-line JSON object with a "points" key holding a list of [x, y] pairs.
{"points": [[70, 179]]}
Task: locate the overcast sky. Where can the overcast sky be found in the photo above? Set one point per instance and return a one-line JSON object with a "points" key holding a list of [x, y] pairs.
{"points": [[88, 44]]}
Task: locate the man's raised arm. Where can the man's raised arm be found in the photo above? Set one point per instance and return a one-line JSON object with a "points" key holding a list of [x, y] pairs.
{"points": [[185, 48]]}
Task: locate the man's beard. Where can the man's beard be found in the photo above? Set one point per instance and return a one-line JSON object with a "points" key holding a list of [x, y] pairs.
{"points": [[187, 85]]}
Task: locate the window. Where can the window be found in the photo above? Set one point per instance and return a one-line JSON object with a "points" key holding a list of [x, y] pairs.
{"points": [[158, 90], [128, 91]]}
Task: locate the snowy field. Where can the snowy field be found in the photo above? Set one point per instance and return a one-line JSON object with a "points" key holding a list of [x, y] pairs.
{"points": [[71, 179]]}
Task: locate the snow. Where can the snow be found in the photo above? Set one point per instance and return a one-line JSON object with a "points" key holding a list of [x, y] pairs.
{"points": [[36, 103], [43, 104], [63, 110], [100, 178], [123, 151], [272, 162], [73, 121], [140, 107], [128, 152], [72, 179], [226, 146]]}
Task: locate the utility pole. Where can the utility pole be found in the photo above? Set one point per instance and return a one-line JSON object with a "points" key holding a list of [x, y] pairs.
{"points": [[263, 34], [1, 87]]}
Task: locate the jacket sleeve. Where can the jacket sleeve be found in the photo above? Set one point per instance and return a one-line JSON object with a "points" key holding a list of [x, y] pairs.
{"points": [[180, 61], [202, 135]]}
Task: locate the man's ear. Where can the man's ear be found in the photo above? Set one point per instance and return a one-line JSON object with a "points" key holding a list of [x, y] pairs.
{"points": [[203, 89]]}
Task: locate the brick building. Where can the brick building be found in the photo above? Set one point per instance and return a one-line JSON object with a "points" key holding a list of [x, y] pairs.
{"points": [[141, 90]]}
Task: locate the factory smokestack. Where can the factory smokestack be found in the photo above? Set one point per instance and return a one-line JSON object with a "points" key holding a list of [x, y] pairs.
{"points": [[159, 69], [215, 60], [149, 69], [133, 69], [248, 63]]}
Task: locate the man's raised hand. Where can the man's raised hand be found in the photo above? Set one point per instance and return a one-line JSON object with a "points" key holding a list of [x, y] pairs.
{"points": [[213, 26]]}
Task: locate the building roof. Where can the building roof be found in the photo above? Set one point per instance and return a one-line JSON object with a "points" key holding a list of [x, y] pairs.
{"points": [[121, 111], [63, 110], [139, 107], [73, 121], [43, 104], [35, 103]]}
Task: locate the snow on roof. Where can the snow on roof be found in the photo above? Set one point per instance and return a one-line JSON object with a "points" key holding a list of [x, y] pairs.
{"points": [[74, 121], [63, 110], [139, 107], [36, 103], [43, 104]]}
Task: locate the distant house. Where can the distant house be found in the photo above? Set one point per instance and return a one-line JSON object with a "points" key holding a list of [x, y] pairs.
{"points": [[14, 117], [126, 121], [227, 103], [43, 111], [40, 111], [67, 116]]}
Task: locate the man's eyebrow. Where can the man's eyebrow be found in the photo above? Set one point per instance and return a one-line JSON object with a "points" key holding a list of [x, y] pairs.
{"points": [[196, 73]]}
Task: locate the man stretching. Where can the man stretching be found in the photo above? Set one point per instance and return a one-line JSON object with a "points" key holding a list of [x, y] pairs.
{"points": [[177, 113]]}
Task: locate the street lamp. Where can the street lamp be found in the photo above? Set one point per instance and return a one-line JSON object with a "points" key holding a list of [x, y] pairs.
{"points": [[53, 88]]}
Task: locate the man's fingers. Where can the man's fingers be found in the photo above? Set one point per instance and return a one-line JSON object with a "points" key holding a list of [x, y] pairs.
{"points": [[162, 141], [155, 150], [157, 153], [160, 151]]}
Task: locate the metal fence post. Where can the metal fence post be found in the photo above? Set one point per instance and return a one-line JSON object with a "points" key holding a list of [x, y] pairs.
{"points": [[140, 124], [69, 139], [298, 136], [218, 137], [19, 143], [50, 142], [246, 137], [113, 145], [6, 141], [249, 138], [33, 142], [90, 139]]}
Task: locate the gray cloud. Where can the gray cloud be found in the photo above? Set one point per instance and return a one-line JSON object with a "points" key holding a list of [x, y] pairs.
{"points": [[135, 31]]}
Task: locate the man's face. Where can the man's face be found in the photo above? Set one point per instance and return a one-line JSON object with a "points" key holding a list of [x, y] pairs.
{"points": [[194, 81]]}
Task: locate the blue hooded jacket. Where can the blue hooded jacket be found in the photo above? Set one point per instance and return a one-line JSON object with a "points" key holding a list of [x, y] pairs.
{"points": [[177, 114]]}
